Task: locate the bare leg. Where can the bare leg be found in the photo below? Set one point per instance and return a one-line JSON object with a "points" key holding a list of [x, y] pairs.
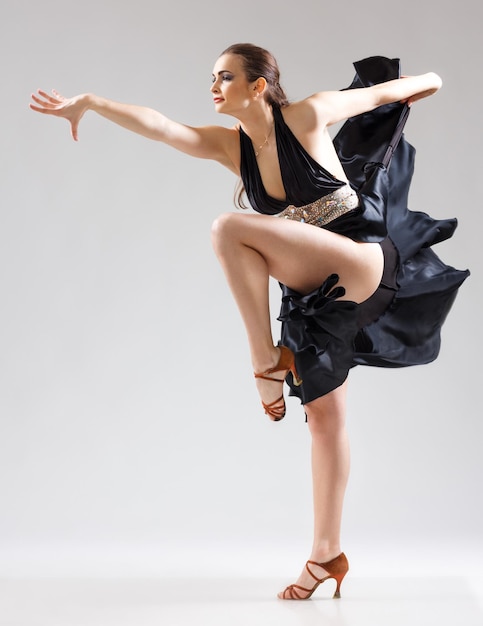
{"points": [[330, 471], [247, 273], [253, 247]]}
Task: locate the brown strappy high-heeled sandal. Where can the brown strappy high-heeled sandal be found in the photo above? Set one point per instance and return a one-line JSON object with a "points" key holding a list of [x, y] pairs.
{"points": [[276, 409], [337, 569]]}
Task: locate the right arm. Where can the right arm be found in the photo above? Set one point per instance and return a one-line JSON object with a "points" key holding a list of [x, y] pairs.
{"points": [[206, 142]]}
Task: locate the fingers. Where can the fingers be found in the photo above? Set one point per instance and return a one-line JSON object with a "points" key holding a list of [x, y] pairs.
{"points": [[42, 104], [38, 109], [73, 130], [58, 95], [54, 99], [46, 102], [407, 101]]}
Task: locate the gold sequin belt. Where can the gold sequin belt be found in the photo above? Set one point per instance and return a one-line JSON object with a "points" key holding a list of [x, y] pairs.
{"points": [[325, 209]]}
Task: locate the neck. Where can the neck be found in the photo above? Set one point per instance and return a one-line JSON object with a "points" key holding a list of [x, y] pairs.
{"points": [[257, 122]]}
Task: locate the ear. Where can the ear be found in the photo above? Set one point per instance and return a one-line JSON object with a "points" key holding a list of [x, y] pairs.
{"points": [[259, 86]]}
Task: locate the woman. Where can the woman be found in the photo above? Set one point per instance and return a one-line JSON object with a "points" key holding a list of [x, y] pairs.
{"points": [[289, 166]]}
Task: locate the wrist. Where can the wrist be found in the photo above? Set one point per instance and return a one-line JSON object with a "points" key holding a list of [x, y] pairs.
{"points": [[92, 102]]}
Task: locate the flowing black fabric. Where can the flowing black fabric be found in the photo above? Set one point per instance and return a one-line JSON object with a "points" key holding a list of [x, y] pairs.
{"points": [[324, 332]]}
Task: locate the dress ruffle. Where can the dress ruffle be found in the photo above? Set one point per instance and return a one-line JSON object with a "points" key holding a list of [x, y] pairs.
{"points": [[321, 330]]}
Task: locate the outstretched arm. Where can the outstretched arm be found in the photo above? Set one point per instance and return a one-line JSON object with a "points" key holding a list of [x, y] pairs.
{"points": [[208, 142], [334, 106]]}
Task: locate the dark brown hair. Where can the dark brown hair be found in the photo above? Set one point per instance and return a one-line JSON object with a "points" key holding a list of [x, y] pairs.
{"points": [[258, 62]]}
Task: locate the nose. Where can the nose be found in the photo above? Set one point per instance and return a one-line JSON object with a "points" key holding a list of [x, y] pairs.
{"points": [[214, 87]]}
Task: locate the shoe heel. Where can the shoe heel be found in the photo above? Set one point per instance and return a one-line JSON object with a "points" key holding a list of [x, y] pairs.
{"points": [[289, 361], [337, 589], [297, 381], [338, 576]]}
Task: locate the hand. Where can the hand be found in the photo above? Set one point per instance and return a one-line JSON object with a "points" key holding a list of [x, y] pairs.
{"points": [[418, 96], [72, 109], [435, 83]]}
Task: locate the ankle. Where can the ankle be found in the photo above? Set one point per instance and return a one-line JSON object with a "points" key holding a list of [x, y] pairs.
{"points": [[269, 359], [325, 552]]}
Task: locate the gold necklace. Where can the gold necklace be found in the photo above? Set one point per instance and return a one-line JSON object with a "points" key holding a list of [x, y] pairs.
{"points": [[260, 148]]}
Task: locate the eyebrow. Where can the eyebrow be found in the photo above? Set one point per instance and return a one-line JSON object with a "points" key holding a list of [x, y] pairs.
{"points": [[224, 72]]}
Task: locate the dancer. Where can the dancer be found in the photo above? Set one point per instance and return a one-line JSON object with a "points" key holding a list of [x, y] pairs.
{"points": [[343, 246]]}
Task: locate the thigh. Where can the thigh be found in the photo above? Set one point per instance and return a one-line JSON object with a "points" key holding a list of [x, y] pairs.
{"points": [[302, 256]]}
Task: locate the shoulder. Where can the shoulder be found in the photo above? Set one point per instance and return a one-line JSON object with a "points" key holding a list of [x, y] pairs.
{"points": [[329, 107], [304, 116], [220, 133]]}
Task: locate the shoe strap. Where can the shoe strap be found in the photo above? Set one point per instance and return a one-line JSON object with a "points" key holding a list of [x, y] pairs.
{"points": [[338, 562], [319, 580], [263, 375], [273, 405], [294, 595]]}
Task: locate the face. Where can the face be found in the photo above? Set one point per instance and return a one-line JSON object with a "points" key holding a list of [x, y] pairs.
{"points": [[231, 90]]}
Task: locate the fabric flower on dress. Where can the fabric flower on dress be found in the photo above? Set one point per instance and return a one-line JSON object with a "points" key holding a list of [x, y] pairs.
{"points": [[320, 329]]}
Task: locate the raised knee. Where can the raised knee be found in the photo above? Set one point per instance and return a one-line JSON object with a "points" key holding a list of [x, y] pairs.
{"points": [[222, 230]]}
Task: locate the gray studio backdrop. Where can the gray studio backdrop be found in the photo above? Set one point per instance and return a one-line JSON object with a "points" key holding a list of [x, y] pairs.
{"points": [[132, 440]]}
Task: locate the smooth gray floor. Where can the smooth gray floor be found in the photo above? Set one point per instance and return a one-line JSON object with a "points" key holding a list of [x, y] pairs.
{"points": [[233, 602]]}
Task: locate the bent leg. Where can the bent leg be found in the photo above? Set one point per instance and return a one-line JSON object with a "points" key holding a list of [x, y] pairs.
{"points": [[330, 472], [299, 255], [251, 248]]}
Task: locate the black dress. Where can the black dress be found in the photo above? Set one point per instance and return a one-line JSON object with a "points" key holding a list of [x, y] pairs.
{"points": [[400, 324]]}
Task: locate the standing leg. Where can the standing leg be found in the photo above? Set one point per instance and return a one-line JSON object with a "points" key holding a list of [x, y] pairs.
{"points": [[330, 471]]}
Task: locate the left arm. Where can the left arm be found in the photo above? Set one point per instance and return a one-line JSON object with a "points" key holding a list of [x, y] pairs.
{"points": [[331, 107]]}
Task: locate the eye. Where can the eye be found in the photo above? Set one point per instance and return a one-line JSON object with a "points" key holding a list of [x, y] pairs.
{"points": [[227, 77]]}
